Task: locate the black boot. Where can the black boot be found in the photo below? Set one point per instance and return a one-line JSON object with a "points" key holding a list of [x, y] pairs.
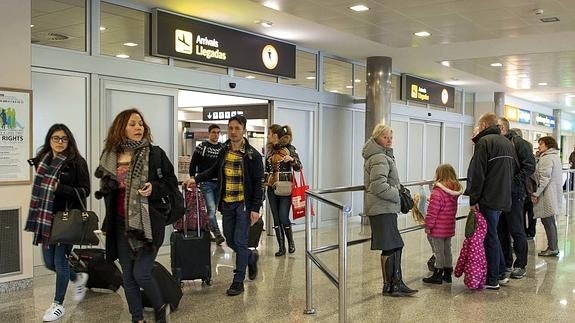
{"points": [[447, 271], [436, 278], [281, 241], [387, 273], [289, 235], [431, 263], [161, 315], [399, 288]]}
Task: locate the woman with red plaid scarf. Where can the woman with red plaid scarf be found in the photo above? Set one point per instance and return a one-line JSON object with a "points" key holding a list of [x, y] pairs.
{"points": [[61, 173]]}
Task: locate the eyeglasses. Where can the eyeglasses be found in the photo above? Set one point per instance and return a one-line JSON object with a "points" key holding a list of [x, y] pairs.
{"points": [[56, 139]]}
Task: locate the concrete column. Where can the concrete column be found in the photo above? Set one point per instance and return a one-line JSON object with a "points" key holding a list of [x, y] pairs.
{"points": [[378, 93], [557, 129], [499, 100]]}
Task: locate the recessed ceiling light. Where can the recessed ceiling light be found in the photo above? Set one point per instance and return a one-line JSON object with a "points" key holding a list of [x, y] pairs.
{"points": [[523, 75], [496, 64], [272, 5], [102, 28], [250, 77], [310, 77], [264, 23], [359, 7], [122, 56], [349, 86], [445, 63], [357, 81], [334, 91], [129, 44], [31, 26], [542, 83], [422, 33]]}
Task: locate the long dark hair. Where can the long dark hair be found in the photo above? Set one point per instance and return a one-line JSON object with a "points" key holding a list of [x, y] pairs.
{"points": [[117, 132], [72, 153]]}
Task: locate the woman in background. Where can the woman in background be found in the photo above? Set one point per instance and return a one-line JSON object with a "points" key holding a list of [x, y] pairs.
{"points": [[281, 160]]}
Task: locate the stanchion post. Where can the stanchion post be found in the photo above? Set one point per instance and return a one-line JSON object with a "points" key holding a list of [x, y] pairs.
{"points": [[308, 263], [342, 288]]}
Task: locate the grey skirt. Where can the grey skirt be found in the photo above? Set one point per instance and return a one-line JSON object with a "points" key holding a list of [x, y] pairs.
{"points": [[384, 232]]}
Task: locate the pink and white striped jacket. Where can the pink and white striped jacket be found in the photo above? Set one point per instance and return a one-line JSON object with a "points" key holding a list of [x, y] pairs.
{"points": [[472, 261]]}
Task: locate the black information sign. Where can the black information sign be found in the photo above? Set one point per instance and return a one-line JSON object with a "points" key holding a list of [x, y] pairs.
{"points": [[254, 111], [182, 37], [427, 92]]}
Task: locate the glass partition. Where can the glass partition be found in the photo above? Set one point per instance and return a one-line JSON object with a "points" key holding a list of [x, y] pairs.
{"points": [[337, 76], [59, 23]]}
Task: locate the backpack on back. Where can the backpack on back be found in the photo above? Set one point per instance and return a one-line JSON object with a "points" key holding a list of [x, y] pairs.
{"points": [[171, 203]]}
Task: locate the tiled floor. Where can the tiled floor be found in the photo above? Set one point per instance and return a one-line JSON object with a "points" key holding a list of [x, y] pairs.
{"points": [[546, 294]]}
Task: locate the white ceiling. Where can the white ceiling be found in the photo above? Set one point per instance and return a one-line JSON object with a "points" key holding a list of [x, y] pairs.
{"points": [[470, 34]]}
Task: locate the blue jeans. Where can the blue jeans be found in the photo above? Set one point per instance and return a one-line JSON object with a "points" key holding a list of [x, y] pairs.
{"points": [[280, 206], [56, 259], [236, 223], [137, 272], [210, 191], [493, 251]]}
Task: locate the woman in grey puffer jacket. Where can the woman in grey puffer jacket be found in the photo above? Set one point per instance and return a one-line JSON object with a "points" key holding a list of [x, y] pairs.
{"points": [[547, 200], [382, 203]]}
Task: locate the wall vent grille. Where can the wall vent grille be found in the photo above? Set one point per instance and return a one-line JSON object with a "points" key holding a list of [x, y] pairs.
{"points": [[10, 241]]}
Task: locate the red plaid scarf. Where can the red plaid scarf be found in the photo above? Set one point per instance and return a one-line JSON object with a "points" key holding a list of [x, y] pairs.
{"points": [[41, 210]]}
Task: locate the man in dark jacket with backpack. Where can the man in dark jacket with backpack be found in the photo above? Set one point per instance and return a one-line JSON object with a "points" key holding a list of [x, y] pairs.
{"points": [[511, 223], [204, 157], [491, 171]]}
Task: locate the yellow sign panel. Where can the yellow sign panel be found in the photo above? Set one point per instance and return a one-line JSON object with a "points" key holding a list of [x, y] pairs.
{"points": [[511, 113]]}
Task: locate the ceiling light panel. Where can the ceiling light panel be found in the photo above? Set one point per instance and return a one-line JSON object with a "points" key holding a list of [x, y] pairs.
{"points": [[359, 8], [422, 33]]}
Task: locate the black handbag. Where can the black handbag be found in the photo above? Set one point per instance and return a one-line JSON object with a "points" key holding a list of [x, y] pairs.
{"points": [[405, 199], [75, 227]]}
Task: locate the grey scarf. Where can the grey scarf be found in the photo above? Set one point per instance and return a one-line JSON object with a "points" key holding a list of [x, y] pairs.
{"points": [[138, 224]]}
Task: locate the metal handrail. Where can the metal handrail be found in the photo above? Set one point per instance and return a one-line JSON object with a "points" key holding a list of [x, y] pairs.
{"points": [[340, 281]]}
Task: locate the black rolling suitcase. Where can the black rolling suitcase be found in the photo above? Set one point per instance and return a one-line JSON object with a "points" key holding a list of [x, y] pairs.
{"points": [[255, 233], [190, 251], [169, 286], [101, 274]]}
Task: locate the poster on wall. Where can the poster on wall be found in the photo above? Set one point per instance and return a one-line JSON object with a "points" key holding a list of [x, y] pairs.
{"points": [[15, 135]]}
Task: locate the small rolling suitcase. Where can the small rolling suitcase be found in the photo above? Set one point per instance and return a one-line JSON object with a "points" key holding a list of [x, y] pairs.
{"points": [[101, 274], [169, 286], [255, 234], [190, 251]]}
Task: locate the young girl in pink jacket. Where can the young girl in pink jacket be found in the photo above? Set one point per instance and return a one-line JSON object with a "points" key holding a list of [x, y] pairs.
{"points": [[440, 221]]}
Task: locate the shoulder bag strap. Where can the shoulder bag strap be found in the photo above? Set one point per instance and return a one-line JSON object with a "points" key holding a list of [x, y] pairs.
{"points": [[79, 200]]}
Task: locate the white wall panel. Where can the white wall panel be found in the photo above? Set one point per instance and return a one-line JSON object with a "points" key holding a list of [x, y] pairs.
{"points": [[467, 149], [400, 130], [336, 154], [432, 154], [452, 147], [58, 99], [358, 141], [415, 150]]}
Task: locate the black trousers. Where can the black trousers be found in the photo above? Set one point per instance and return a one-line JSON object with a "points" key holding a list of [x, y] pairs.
{"points": [[511, 226]]}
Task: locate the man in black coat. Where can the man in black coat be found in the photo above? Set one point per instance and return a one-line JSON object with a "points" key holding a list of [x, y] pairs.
{"points": [[511, 223], [491, 171]]}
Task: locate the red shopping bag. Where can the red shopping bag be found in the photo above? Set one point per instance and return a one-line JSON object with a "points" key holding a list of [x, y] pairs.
{"points": [[298, 200]]}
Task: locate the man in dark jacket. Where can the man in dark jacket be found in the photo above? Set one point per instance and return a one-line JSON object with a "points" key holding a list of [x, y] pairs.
{"points": [[204, 157], [240, 173], [511, 223], [490, 192]]}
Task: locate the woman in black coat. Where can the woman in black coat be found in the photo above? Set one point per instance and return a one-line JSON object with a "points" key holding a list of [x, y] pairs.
{"points": [[62, 182], [134, 176]]}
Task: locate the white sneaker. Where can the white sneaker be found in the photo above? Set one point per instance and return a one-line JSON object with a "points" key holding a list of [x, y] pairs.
{"points": [[53, 313], [80, 286]]}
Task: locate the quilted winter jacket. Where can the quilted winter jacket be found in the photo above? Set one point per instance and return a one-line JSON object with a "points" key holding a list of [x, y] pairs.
{"points": [[550, 189], [441, 212], [381, 180], [472, 261]]}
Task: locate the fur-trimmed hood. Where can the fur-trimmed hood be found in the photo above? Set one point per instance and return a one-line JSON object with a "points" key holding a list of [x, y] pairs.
{"points": [[448, 190], [284, 141]]}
